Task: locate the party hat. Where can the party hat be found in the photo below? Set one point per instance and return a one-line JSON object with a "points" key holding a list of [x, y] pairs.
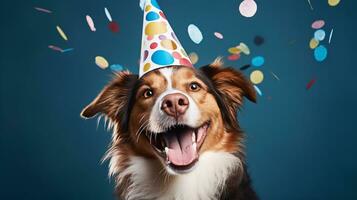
{"points": [[160, 46]]}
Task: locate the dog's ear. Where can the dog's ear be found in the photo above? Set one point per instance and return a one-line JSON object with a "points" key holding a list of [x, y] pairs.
{"points": [[113, 100], [230, 85]]}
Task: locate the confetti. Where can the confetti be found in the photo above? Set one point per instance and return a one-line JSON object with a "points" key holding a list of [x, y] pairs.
{"points": [[258, 90], [313, 43], [248, 8], [275, 76], [116, 67], [310, 5], [244, 67], [218, 35], [318, 24], [142, 4], [62, 34], [43, 10], [90, 23], [333, 2], [329, 39], [258, 40], [256, 76], [310, 84], [258, 61], [319, 35], [55, 48], [234, 50], [107, 13], [113, 26], [67, 50], [101, 62], [194, 33], [193, 57], [233, 57], [244, 48], [320, 53]]}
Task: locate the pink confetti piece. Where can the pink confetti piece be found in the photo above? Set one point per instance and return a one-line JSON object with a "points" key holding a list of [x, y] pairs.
{"points": [[90, 23], [310, 84], [233, 57], [218, 35], [43, 10], [318, 24], [55, 48]]}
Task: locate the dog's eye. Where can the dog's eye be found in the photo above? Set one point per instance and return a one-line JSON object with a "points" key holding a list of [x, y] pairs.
{"points": [[148, 93], [194, 86]]}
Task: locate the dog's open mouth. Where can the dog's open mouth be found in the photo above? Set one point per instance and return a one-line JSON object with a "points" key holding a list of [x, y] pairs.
{"points": [[179, 145]]}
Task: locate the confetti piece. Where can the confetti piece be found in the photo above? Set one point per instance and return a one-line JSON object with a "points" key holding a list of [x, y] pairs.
{"points": [[193, 57], [234, 50], [256, 76], [318, 24], [55, 48], [113, 26], [107, 13], [333, 2], [258, 61], [62, 34], [101, 62], [90, 23], [258, 90], [233, 57], [142, 4], [313, 43], [67, 50], [194, 33], [310, 5], [310, 84], [218, 35], [43, 10], [244, 67], [244, 48], [275, 76], [319, 35], [248, 8], [320, 53], [258, 40], [116, 67], [329, 39]]}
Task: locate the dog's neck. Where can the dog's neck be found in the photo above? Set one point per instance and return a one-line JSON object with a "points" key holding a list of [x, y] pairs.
{"points": [[148, 180]]}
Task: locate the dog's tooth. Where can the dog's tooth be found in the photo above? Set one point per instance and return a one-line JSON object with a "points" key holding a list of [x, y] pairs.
{"points": [[194, 146], [166, 150], [193, 137]]}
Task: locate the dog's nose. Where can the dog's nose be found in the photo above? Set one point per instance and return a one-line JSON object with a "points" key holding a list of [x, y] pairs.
{"points": [[175, 104]]}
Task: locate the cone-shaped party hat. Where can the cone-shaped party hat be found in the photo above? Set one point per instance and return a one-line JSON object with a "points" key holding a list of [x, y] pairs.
{"points": [[160, 46]]}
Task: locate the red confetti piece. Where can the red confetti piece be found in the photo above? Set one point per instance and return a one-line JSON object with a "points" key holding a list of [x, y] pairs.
{"points": [[233, 57], [310, 84], [113, 26]]}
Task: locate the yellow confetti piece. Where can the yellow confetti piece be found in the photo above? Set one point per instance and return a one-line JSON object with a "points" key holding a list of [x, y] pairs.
{"points": [[62, 34], [333, 2], [314, 43], [234, 50], [256, 77], [193, 57], [101, 62]]}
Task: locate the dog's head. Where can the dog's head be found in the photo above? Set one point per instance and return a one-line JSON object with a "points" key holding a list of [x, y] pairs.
{"points": [[175, 114]]}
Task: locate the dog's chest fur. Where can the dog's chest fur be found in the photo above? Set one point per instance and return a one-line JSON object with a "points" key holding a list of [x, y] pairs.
{"points": [[149, 181]]}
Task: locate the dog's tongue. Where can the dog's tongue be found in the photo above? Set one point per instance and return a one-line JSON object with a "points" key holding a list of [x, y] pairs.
{"points": [[181, 152]]}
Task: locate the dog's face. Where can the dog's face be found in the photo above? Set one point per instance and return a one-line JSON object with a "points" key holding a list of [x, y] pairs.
{"points": [[175, 114]]}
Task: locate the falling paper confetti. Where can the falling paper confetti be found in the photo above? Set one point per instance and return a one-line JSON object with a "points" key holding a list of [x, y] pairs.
{"points": [[234, 50], [310, 84], [258, 40], [101, 62], [333, 2], [62, 34], [313, 43], [43, 10], [90, 23], [244, 67], [233, 57], [107, 13], [256, 76], [55, 48], [329, 39], [141, 4], [320, 53], [244, 48], [258, 61], [318, 24], [258, 90], [193, 57], [310, 4], [248, 8], [218, 35], [319, 35], [275, 76], [116, 67], [113, 26], [67, 50], [194, 33]]}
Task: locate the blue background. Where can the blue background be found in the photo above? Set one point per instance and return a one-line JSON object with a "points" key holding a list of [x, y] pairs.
{"points": [[301, 144]]}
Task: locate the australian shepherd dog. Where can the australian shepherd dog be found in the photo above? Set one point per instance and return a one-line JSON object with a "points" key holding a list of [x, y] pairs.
{"points": [[176, 134]]}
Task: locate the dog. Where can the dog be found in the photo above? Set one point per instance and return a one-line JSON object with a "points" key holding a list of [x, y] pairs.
{"points": [[176, 134]]}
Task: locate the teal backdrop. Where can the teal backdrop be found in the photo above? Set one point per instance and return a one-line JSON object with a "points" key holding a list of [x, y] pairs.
{"points": [[301, 144]]}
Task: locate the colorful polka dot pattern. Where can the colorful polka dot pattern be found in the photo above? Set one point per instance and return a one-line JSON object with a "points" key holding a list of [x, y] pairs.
{"points": [[160, 46]]}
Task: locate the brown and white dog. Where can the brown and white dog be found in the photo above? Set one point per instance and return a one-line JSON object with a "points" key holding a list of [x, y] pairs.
{"points": [[176, 134]]}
